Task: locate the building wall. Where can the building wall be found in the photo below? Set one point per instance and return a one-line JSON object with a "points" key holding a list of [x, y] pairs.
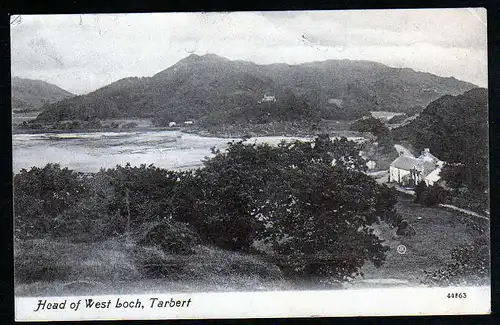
{"points": [[396, 174]]}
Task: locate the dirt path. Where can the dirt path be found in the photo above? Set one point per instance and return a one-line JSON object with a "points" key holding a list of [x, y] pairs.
{"points": [[468, 212]]}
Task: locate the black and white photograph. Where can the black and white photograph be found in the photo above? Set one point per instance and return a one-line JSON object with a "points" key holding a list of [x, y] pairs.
{"points": [[174, 154]]}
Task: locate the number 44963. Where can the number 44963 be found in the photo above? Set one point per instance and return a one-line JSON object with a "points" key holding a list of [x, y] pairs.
{"points": [[460, 295]]}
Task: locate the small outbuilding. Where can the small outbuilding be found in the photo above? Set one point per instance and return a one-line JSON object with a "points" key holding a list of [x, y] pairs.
{"points": [[371, 164]]}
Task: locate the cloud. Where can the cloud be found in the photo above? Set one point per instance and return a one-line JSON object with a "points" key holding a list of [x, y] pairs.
{"points": [[84, 52]]}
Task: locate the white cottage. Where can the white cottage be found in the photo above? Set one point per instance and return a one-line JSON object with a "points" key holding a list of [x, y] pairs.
{"points": [[407, 170]]}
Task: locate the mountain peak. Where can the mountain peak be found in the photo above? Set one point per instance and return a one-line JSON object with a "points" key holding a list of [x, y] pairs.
{"points": [[205, 57], [192, 57], [192, 61]]}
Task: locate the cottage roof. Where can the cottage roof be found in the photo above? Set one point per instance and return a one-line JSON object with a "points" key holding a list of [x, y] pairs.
{"points": [[434, 175], [408, 163], [430, 157], [429, 168]]}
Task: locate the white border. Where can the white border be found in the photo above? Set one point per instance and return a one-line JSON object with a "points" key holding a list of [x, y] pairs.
{"points": [[350, 302]]}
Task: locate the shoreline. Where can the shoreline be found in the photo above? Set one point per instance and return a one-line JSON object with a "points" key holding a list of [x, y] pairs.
{"points": [[59, 131], [302, 134], [201, 133], [222, 131]]}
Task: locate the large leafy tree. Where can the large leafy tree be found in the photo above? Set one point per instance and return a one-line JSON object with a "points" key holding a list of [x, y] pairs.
{"points": [[319, 224], [315, 214]]}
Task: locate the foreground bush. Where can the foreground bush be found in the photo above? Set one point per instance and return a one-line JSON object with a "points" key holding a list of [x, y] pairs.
{"points": [[171, 236], [431, 195], [59, 203], [40, 195]]}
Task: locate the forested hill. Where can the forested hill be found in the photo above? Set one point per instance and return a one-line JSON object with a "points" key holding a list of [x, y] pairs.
{"points": [[215, 90], [28, 94], [455, 128], [450, 123]]}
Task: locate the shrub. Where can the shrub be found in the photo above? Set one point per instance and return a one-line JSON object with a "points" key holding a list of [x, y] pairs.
{"points": [[212, 260], [293, 198], [431, 196], [171, 236], [435, 195], [93, 124], [40, 195], [58, 202], [147, 191], [74, 125]]}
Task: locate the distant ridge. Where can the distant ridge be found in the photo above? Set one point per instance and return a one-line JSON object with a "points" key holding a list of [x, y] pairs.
{"points": [[215, 90], [29, 94]]}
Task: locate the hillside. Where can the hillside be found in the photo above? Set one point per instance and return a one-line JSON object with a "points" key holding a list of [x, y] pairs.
{"points": [[28, 94], [455, 128], [215, 90], [450, 123]]}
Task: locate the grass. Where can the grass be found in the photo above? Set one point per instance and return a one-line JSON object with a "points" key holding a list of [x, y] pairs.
{"points": [[46, 260], [51, 268], [437, 232]]}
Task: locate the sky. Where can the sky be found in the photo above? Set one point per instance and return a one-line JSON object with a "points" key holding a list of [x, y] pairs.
{"points": [[82, 53]]}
